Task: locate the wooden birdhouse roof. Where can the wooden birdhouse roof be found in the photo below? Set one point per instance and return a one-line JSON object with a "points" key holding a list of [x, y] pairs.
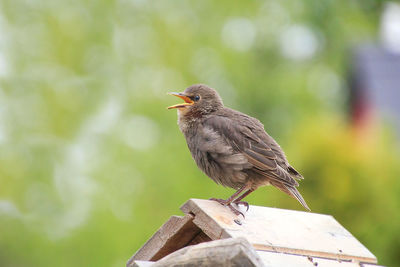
{"points": [[266, 237]]}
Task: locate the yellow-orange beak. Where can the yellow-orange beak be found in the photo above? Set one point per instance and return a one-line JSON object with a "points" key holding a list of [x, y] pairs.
{"points": [[188, 101]]}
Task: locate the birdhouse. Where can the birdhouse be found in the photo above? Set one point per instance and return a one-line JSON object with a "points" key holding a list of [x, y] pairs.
{"points": [[209, 234]]}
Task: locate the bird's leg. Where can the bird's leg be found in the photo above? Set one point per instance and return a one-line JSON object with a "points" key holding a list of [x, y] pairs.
{"points": [[245, 194], [231, 198], [228, 202]]}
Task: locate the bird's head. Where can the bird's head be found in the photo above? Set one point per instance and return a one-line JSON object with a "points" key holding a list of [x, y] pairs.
{"points": [[199, 99]]}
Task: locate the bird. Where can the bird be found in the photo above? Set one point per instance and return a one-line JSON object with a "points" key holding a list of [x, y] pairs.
{"points": [[233, 148]]}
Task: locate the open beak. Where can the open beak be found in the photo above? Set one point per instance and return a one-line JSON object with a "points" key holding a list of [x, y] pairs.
{"points": [[188, 101]]}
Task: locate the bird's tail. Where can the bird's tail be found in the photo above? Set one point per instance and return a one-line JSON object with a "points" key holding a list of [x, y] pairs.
{"points": [[291, 191], [295, 174], [296, 194]]}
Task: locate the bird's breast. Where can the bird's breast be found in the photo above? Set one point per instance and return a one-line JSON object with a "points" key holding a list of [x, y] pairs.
{"points": [[216, 159]]}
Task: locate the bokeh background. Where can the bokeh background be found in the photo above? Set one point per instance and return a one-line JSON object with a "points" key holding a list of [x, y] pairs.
{"points": [[91, 162]]}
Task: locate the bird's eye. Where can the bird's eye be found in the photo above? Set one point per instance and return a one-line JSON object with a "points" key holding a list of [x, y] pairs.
{"points": [[196, 98]]}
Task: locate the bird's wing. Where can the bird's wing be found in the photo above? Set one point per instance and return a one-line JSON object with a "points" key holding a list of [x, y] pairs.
{"points": [[241, 136], [278, 151]]}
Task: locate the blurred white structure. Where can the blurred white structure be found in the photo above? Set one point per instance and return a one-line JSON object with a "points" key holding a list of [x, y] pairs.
{"points": [[390, 27]]}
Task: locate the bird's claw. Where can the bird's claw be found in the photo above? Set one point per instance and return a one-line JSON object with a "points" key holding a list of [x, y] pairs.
{"points": [[223, 202], [235, 211]]}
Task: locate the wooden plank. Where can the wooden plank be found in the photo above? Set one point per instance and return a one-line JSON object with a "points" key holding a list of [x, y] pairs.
{"points": [[209, 223], [200, 238], [287, 231], [176, 233], [225, 252], [274, 259]]}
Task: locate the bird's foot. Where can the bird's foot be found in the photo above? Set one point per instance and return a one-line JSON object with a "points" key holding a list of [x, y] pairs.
{"points": [[244, 203], [236, 211], [224, 202]]}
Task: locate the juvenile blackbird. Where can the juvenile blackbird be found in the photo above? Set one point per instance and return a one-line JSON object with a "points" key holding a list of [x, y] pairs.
{"points": [[233, 148]]}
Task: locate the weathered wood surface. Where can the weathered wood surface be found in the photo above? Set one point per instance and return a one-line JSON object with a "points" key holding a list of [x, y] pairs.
{"points": [[274, 259], [176, 233], [278, 230], [225, 252]]}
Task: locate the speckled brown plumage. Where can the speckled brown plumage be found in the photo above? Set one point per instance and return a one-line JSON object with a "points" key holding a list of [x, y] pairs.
{"points": [[233, 148]]}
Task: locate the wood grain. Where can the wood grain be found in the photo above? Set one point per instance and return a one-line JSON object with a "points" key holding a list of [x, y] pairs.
{"points": [[283, 259], [176, 233], [278, 230], [225, 252]]}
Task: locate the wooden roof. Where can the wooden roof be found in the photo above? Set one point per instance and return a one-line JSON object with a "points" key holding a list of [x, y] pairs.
{"points": [[280, 237]]}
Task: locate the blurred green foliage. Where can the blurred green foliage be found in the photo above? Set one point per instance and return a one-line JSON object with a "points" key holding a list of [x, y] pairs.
{"points": [[91, 163]]}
